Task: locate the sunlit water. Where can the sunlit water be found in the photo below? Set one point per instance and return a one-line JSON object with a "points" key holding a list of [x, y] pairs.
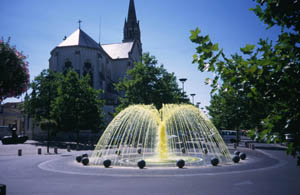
{"points": [[160, 137]]}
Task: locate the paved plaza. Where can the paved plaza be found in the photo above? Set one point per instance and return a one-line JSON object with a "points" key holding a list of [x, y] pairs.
{"points": [[267, 170]]}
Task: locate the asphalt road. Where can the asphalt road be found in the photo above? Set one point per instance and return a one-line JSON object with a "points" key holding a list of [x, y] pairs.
{"points": [[22, 175]]}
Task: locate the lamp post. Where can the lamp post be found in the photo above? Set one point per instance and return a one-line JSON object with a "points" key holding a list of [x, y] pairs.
{"points": [[182, 80], [193, 95]]}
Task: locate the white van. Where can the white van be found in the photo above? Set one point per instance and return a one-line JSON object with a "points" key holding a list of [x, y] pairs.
{"points": [[229, 136]]}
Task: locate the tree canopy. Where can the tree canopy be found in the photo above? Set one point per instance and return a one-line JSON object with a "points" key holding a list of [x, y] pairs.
{"points": [[264, 78], [67, 99], [148, 83], [14, 73], [77, 105], [44, 91]]}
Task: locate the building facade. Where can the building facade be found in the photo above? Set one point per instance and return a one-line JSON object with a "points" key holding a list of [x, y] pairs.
{"points": [[106, 63], [12, 113]]}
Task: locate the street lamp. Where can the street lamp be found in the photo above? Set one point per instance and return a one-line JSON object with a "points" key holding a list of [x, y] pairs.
{"points": [[183, 80], [193, 95]]}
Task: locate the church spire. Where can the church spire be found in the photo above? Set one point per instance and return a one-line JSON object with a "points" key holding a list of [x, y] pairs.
{"points": [[131, 27], [131, 12]]}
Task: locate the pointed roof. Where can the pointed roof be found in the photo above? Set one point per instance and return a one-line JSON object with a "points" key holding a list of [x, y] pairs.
{"points": [[131, 13], [118, 50], [79, 38]]}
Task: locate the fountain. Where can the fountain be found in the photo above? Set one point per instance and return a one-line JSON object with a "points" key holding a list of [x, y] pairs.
{"points": [[160, 138]]}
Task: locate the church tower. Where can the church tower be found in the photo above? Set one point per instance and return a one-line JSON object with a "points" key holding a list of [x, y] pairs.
{"points": [[131, 27]]}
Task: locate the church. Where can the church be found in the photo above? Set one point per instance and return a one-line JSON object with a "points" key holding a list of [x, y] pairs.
{"points": [[106, 63]]}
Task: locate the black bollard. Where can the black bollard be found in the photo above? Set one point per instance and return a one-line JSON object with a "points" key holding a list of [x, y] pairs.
{"points": [[107, 163], [234, 146], [141, 164], [242, 156], [236, 158], [79, 158], [55, 150], [85, 161], [246, 144], [180, 163], [183, 150], [214, 161], [19, 152], [139, 151], [2, 189], [39, 151]]}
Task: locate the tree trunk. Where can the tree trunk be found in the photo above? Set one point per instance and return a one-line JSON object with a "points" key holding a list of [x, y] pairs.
{"points": [[48, 142], [77, 139], [237, 137]]}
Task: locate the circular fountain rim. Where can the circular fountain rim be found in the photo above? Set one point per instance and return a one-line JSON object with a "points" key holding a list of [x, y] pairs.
{"points": [[69, 166]]}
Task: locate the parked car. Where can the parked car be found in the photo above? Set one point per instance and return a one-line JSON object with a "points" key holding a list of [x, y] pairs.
{"points": [[229, 136], [20, 139], [14, 138], [4, 131], [289, 137]]}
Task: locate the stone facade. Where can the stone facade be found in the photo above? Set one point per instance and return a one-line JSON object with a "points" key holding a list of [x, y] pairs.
{"points": [[106, 63], [11, 113]]}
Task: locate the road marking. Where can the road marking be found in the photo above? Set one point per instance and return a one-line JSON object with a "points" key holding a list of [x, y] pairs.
{"points": [[243, 183]]}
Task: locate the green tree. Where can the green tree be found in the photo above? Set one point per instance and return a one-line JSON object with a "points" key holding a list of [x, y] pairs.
{"points": [[37, 104], [148, 83], [265, 77], [44, 91], [228, 111], [14, 74], [77, 106]]}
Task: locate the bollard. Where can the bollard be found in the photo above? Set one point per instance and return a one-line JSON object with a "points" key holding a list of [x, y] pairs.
{"points": [[234, 145], [55, 150], [39, 151], [19, 152], [252, 146], [69, 148], [2, 189], [246, 144]]}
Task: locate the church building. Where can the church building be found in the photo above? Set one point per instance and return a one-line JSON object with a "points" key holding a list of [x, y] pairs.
{"points": [[106, 63]]}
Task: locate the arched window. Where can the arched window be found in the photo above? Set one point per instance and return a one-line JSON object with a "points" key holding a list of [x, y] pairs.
{"points": [[67, 66], [87, 69]]}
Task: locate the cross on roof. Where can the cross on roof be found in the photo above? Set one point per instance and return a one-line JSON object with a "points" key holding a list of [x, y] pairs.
{"points": [[79, 21]]}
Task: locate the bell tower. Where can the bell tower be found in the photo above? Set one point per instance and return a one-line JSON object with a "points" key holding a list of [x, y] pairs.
{"points": [[131, 27]]}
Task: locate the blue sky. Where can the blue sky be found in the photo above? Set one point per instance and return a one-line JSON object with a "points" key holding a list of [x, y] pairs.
{"points": [[36, 27]]}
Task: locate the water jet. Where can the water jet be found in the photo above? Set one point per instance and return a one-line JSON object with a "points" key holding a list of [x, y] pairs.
{"points": [[161, 138]]}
